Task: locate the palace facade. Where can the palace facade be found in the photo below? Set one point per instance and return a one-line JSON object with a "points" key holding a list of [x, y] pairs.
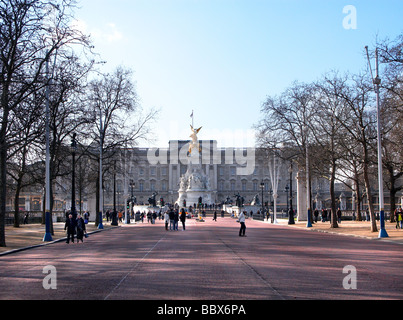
{"points": [[142, 172]]}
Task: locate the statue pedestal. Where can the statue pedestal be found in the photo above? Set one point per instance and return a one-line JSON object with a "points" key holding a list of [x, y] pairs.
{"points": [[192, 196], [194, 184]]}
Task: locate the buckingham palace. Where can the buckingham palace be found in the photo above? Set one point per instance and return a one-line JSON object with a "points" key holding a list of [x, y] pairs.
{"points": [[140, 173], [230, 171]]}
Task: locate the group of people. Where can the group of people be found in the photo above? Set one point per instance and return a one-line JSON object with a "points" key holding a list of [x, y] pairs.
{"points": [[326, 216], [117, 215], [75, 224], [172, 217], [151, 216], [399, 218]]}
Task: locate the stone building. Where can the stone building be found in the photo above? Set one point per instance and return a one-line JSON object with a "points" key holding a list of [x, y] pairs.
{"points": [[249, 172], [230, 171]]}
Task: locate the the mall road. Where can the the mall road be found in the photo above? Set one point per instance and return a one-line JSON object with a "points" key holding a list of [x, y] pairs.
{"points": [[207, 261]]}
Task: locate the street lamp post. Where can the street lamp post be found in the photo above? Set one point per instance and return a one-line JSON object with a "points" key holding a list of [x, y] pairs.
{"points": [[101, 198], [48, 236], [73, 176], [269, 205], [132, 185], [377, 83], [308, 184], [291, 212], [114, 213], [262, 187]]}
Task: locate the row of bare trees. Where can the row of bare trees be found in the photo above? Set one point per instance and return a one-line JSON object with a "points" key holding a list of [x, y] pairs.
{"points": [[45, 60], [334, 118]]}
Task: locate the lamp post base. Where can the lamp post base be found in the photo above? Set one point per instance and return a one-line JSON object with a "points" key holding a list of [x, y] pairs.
{"points": [[309, 223], [48, 235], [100, 225], [383, 234]]}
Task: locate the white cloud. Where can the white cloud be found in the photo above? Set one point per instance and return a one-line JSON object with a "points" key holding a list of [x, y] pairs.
{"points": [[112, 34], [80, 25], [108, 33]]}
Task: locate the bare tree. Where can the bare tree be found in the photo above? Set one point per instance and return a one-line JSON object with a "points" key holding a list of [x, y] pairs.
{"points": [[285, 123], [359, 123], [329, 132], [68, 113], [26, 130], [285, 119], [391, 53], [113, 97], [30, 32]]}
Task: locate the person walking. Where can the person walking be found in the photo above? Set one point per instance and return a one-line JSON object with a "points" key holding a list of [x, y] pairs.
{"points": [[86, 217], [26, 218], [176, 219], [154, 217], [215, 216], [183, 218], [324, 215], [80, 228], [171, 219], [367, 217], [316, 215], [400, 218], [243, 226], [70, 226], [166, 219], [396, 216], [338, 215]]}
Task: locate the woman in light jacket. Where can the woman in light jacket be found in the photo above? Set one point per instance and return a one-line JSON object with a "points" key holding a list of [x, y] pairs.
{"points": [[243, 226]]}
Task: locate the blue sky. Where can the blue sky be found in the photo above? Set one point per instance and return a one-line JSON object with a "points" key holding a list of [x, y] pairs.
{"points": [[221, 58]]}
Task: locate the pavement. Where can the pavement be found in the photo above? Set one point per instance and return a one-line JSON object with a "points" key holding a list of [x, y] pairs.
{"points": [[31, 235], [361, 229]]}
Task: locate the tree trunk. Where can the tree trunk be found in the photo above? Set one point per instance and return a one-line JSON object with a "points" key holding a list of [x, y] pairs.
{"points": [[3, 191], [392, 195], [358, 200], [334, 223], [17, 206], [374, 227], [97, 206], [3, 167]]}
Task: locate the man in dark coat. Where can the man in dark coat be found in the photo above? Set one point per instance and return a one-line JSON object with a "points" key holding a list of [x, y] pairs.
{"points": [[183, 218], [80, 228], [70, 226], [171, 220]]}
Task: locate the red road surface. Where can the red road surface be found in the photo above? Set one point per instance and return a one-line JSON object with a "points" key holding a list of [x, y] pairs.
{"points": [[208, 261]]}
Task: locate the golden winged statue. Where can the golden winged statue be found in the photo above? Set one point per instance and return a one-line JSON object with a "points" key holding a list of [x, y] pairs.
{"points": [[194, 143]]}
